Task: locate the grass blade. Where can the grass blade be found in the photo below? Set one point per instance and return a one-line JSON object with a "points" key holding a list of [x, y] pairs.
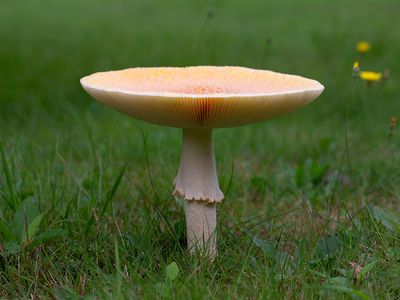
{"points": [[10, 182], [118, 270], [114, 188], [110, 196]]}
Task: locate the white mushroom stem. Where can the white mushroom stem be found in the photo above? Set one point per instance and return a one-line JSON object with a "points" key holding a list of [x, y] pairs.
{"points": [[197, 183], [201, 222], [197, 175]]}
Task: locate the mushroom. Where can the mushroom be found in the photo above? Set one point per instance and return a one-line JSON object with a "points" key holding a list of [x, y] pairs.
{"points": [[199, 99]]}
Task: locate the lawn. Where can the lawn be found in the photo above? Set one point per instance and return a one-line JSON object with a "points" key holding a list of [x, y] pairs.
{"points": [[312, 198]]}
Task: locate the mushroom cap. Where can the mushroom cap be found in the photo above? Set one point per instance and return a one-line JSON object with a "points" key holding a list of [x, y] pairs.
{"points": [[201, 96]]}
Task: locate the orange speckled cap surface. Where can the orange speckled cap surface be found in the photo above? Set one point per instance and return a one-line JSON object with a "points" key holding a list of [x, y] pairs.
{"points": [[201, 97]]}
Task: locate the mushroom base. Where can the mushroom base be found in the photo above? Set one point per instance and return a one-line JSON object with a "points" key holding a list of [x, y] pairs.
{"points": [[201, 221], [197, 175]]}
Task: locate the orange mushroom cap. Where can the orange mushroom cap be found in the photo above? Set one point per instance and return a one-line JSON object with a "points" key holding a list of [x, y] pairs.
{"points": [[202, 96]]}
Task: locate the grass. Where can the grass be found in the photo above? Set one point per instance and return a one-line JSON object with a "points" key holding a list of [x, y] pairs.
{"points": [[85, 205]]}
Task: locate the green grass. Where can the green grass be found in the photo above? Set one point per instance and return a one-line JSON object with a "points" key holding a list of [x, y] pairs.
{"points": [[300, 208]]}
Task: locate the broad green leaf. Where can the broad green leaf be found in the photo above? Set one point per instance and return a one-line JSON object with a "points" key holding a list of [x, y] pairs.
{"points": [[266, 247], [66, 293], [11, 248], [283, 260], [386, 218], [160, 287], [318, 172], [328, 246], [26, 212], [50, 234], [355, 294], [32, 228], [344, 285], [393, 253], [367, 268], [172, 271]]}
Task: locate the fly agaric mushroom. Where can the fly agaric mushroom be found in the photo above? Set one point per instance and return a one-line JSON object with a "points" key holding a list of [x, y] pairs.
{"points": [[199, 99]]}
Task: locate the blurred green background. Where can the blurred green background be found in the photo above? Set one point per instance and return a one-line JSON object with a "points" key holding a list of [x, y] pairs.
{"points": [[296, 179]]}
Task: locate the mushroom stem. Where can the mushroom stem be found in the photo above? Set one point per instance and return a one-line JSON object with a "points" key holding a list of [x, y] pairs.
{"points": [[197, 175], [201, 221], [197, 183]]}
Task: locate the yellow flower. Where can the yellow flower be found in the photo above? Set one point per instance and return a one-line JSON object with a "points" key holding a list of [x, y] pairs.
{"points": [[356, 69], [363, 46], [369, 76]]}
